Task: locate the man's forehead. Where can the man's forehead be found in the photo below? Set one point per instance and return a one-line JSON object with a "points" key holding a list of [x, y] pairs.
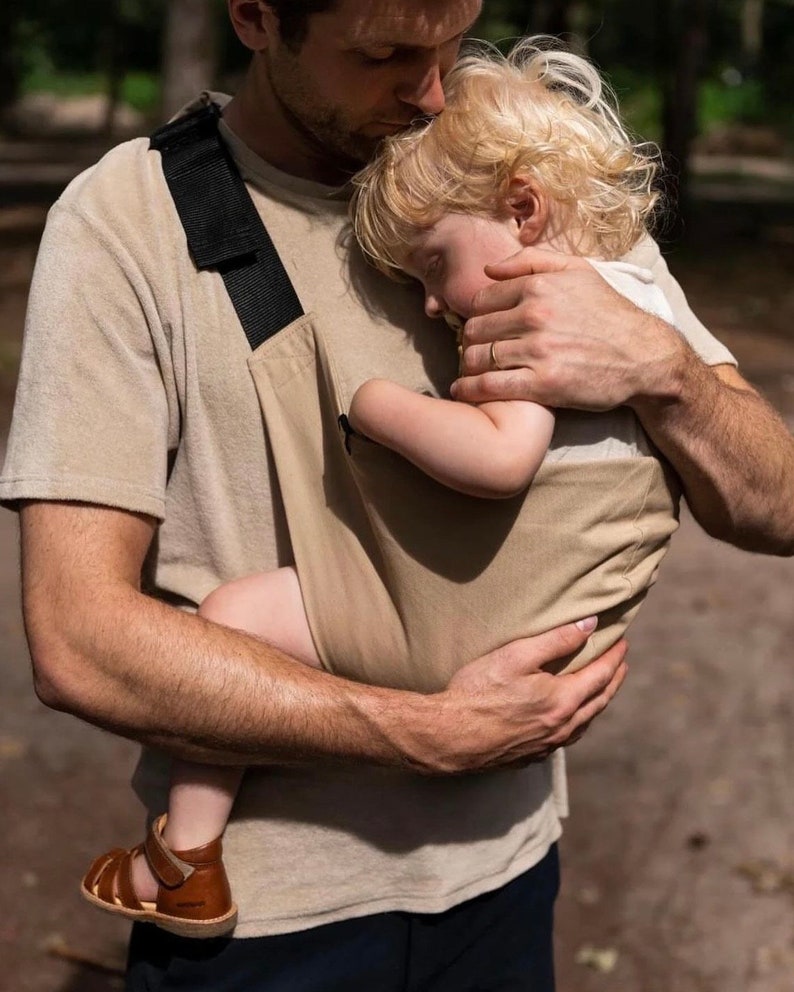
{"points": [[405, 22]]}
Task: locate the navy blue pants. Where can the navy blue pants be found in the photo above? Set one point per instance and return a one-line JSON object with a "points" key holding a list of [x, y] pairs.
{"points": [[497, 942]]}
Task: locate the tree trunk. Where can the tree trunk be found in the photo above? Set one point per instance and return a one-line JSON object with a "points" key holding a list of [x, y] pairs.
{"points": [[752, 33], [113, 63], [567, 19], [579, 28], [10, 72], [556, 17], [682, 32], [190, 52]]}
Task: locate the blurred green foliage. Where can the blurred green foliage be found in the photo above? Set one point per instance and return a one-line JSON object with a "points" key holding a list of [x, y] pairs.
{"points": [[636, 43], [139, 90], [52, 45], [743, 102]]}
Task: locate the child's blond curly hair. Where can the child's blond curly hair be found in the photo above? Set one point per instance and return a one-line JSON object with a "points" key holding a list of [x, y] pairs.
{"points": [[539, 112]]}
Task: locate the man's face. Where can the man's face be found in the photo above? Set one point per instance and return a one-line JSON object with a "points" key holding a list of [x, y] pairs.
{"points": [[366, 69]]}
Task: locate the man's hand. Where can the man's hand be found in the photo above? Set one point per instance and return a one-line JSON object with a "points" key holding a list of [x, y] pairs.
{"points": [[565, 337], [503, 709]]}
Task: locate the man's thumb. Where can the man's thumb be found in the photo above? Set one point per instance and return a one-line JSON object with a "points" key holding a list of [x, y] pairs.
{"points": [[555, 644]]}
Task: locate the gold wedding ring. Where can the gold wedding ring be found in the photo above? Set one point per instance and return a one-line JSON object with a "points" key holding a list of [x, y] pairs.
{"points": [[494, 359]]}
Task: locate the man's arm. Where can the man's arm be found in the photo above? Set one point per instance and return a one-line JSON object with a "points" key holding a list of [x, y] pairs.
{"points": [[121, 660], [570, 340], [734, 454]]}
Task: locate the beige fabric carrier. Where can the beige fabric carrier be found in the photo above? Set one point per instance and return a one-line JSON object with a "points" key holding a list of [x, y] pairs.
{"points": [[405, 580]]}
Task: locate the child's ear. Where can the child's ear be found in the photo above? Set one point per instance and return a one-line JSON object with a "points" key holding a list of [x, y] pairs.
{"points": [[527, 204]]}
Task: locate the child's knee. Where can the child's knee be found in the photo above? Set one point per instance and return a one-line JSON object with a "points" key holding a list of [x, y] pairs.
{"points": [[221, 604], [247, 602]]}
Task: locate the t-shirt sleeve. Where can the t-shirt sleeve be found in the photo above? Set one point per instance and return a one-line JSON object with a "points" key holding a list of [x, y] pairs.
{"points": [[646, 255], [91, 419]]}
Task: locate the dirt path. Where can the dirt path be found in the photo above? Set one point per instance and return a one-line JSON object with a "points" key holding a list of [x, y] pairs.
{"points": [[679, 855], [680, 851]]}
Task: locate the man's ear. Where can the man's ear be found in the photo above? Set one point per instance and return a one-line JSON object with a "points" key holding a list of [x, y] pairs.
{"points": [[529, 207], [254, 22]]}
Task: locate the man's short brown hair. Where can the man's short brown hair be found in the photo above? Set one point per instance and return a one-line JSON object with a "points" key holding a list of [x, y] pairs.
{"points": [[293, 17]]}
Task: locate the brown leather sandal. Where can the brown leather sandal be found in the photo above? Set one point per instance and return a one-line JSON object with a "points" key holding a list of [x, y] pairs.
{"points": [[193, 898]]}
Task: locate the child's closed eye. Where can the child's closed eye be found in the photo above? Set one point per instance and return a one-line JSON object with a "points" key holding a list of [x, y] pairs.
{"points": [[434, 265]]}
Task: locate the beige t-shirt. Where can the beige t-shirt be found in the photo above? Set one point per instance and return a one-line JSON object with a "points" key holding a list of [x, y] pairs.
{"points": [[135, 393]]}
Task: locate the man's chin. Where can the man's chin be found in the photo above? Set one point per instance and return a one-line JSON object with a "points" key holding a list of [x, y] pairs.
{"points": [[385, 130], [361, 148]]}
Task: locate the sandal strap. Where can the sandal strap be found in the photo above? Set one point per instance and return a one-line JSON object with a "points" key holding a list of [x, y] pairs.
{"points": [[125, 891], [98, 866], [170, 870], [109, 879]]}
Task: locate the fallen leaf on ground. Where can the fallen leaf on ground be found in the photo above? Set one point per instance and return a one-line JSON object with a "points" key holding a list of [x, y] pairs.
{"points": [[767, 876], [601, 959], [589, 895], [12, 747]]}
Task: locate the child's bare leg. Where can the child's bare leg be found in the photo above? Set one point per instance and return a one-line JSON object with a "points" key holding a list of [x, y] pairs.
{"points": [[199, 803], [268, 605]]}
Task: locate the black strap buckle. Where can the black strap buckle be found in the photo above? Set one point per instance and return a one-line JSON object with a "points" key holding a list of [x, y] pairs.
{"points": [[223, 228]]}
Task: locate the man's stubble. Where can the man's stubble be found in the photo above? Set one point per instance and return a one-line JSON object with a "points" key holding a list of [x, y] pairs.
{"points": [[325, 129]]}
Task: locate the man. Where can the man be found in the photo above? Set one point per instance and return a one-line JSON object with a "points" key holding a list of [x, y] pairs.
{"points": [[142, 462]]}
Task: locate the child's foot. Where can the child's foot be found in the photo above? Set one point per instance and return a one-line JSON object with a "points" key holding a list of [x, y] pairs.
{"points": [[143, 879], [184, 892]]}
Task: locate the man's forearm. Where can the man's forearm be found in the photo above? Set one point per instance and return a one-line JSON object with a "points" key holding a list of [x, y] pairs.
{"points": [[207, 693], [103, 651], [733, 453], [126, 662], [173, 680]]}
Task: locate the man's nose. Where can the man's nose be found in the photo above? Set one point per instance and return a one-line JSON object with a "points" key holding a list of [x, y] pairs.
{"points": [[425, 91]]}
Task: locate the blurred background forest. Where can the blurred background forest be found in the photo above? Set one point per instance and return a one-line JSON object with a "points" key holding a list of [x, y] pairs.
{"points": [[719, 71]]}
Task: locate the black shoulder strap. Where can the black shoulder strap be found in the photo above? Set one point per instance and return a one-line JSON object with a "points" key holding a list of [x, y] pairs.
{"points": [[224, 230]]}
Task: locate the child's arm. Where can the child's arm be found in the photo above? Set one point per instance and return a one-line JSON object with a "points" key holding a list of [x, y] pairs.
{"points": [[491, 450]]}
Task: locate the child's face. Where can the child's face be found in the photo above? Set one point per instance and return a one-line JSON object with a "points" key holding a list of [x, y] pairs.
{"points": [[449, 258]]}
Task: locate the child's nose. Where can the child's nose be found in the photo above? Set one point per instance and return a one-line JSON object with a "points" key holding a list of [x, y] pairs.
{"points": [[434, 305]]}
